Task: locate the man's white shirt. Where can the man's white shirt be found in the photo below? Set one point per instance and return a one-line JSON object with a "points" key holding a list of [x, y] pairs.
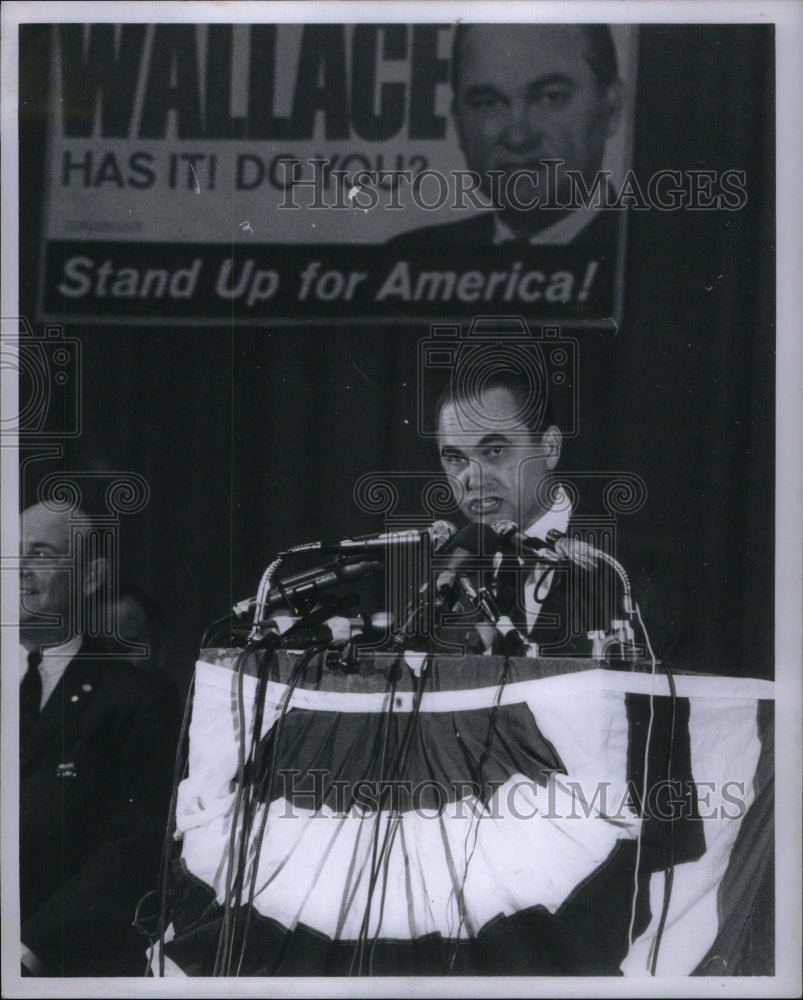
{"points": [[555, 519], [567, 228], [55, 661]]}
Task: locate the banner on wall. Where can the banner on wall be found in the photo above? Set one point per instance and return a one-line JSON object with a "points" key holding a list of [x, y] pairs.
{"points": [[275, 172]]}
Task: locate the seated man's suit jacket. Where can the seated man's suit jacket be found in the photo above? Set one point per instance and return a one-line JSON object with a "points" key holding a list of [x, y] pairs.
{"points": [[95, 780]]}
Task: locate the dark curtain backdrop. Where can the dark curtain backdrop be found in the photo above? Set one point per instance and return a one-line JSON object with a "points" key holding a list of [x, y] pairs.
{"points": [[252, 440]]}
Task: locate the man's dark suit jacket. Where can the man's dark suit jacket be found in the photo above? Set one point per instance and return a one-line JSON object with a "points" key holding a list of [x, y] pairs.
{"points": [[95, 781], [478, 231], [581, 600]]}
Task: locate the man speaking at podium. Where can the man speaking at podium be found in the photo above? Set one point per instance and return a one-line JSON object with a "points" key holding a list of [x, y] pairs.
{"points": [[499, 445], [497, 471]]}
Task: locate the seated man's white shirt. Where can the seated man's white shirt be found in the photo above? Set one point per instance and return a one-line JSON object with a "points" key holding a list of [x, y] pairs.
{"points": [[55, 661]]}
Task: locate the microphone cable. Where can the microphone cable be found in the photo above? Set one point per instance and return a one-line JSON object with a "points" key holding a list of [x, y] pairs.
{"points": [[265, 787], [644, 790], [180, 764], [248, 778], [669, 871], [224, 937], [394, 821], [366, 921], [477, 773], [271, 643], [397, 771]]}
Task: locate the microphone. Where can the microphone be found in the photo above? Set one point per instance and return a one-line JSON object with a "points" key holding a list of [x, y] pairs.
{"points": [[432, 593], [439, 534], [332, 632], [335, 631], [473, 541], [559, 546], [378, 630], [555, 547], [483, 601], [304, 587]]}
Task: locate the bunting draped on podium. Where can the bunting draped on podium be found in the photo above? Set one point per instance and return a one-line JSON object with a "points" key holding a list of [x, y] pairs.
{"points": [[456, 816]]}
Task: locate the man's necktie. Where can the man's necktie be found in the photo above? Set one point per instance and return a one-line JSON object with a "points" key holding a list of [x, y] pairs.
{"points": [[30, 694]]}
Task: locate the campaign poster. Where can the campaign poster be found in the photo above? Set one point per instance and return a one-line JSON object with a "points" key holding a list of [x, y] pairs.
{"points": [[291, 172]]}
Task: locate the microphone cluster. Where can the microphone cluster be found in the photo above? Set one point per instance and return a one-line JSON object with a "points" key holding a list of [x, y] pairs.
{"points": [[302, 592], [334, 631], [477, 543], [460, 552], [554, 547]]}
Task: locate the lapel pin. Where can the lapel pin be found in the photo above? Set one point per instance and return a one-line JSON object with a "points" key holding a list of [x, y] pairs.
{"points": [[66, 770]]}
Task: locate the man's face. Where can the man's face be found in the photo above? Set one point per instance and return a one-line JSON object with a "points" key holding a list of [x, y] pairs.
{"points": [[133, 626], [496, 471], [45, 572], [527, 93], [132, 621]]}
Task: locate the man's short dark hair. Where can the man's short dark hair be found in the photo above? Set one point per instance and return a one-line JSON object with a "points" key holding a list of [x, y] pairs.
{"points": [[600, 53], [537, 413]]}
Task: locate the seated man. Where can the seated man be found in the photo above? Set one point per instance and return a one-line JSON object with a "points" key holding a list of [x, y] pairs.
{"points": [[97, 746]]}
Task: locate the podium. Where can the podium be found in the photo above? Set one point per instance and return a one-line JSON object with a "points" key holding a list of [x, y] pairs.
{"points": [[454, 815]]}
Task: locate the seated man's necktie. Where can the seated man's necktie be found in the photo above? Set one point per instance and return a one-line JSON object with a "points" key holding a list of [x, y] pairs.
{"points": [[30, 694]]}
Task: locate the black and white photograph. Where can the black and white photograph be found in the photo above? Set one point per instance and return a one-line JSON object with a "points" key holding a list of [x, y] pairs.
{"points": [[401, 499]]}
